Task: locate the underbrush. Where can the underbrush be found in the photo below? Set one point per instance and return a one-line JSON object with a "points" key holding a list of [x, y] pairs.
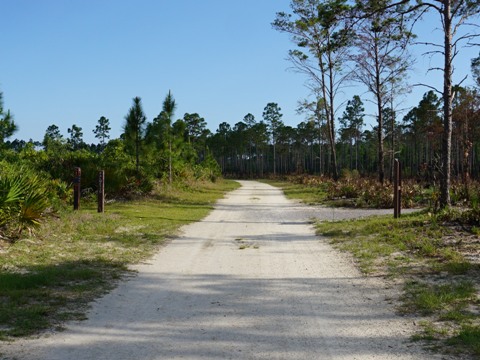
{"points": [[27, 199], [352, 190]]}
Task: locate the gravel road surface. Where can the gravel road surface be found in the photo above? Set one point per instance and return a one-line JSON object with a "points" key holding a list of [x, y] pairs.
{"points": [[250, 281]]}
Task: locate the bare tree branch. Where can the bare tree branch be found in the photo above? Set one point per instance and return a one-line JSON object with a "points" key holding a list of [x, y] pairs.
{"points": [[435, 68], [429, 44], [466, 37], [433, 52], [460, 83], [429, 87]]}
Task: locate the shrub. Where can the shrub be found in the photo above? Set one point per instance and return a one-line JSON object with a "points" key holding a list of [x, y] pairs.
{"points": [[25, 198], [363, 192], [461, 216]]}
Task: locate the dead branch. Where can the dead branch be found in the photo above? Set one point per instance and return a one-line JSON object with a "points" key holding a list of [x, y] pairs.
{"points": [[430, 87]]}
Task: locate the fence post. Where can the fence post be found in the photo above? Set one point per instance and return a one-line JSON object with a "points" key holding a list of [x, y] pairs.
{"points": [[76, 187], [397, 190], [101, 191]]}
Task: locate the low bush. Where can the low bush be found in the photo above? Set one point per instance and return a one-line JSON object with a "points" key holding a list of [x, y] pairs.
{"points": [[26, 197], [353, 190]]}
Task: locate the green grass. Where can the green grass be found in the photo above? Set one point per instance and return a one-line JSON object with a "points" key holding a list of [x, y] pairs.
{"points": [[50, 278], [430, 334], [308, 194], [381, 237], [468, 337], [448, 304], [444, 300]]}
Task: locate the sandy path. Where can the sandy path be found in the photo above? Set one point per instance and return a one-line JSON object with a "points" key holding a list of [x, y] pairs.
{"points": [[286, 295]]}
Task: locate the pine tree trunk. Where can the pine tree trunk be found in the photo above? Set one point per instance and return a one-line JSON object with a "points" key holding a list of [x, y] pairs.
{"points": [[447, 110], [381, 154]]}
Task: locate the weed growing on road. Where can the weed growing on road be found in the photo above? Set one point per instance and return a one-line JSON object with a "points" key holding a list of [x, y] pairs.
{"points": [[49, 279], [243, 244]]}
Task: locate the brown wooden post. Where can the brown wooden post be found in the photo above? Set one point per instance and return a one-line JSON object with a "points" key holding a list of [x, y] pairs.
{"points": [[399, 195], [76, 187], [397, 190], [101, 191]]}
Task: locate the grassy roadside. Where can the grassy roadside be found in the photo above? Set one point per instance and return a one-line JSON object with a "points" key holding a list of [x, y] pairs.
{"points": [[308, 194], [50, 278], [432, 261], [435, 261]]}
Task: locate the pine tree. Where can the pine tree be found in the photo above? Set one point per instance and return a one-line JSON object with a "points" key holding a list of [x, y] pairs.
{"points": [[102, 130], [134, 130], [7, 125]]}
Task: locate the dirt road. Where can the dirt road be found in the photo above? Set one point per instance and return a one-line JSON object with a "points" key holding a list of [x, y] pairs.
{"points": [[250, 281]]}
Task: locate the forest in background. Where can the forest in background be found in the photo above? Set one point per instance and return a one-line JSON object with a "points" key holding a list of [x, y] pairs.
{"points": [[246, 149]]}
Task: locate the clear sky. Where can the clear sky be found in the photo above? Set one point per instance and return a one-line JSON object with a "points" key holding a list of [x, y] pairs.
{"points": [[67, 62]]}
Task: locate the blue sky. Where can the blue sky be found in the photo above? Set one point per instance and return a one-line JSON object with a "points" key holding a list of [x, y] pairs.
{"points": [[70, 62]]}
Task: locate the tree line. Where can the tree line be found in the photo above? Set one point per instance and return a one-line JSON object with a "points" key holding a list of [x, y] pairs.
{"points": [[253, 148], [162, 149]]}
